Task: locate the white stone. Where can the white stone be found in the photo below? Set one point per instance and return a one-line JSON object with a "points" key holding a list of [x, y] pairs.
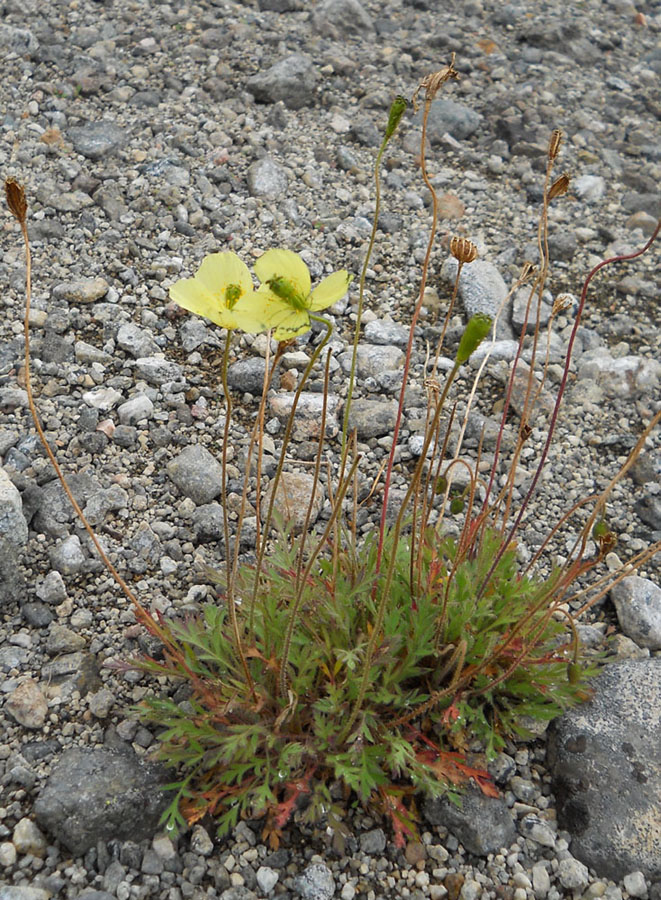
{"points": [[28, 839], [7, 854], [13, 526], [635, 885], [267, 878]]}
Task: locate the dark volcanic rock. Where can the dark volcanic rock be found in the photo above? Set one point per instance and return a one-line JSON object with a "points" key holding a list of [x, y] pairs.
{"points": [[605, 759], [98, 795], [483, 824]]}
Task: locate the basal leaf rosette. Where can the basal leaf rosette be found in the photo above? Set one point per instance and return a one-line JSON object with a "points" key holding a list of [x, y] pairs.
{"points": [[222, 290], [285, 298]]}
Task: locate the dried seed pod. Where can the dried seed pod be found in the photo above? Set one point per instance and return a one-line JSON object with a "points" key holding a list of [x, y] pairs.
{"points": [[559, 187], [16, 199], [554, 143], [463, 250], [432, 83], [527, 270]]}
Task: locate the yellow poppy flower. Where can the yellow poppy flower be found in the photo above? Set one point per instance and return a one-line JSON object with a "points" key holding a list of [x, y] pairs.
{"points": [[222, 290], [285, 298]]}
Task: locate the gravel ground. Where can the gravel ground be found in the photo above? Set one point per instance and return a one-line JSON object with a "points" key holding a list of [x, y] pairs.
{"points": [[148, 134]]}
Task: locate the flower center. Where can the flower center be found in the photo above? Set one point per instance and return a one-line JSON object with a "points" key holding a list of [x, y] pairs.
{"points": [[232, 294]]}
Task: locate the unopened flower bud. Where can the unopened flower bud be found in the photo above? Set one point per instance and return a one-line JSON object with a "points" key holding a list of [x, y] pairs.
{"points": [[559, 187], [477, 329], [397, 110], [463, 250], [16, 199]]}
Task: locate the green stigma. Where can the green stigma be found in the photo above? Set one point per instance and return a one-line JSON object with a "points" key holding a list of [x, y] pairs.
{"points": [[284, 289], [232, 294]]}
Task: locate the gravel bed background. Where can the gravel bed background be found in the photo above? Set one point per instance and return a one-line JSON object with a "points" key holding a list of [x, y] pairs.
{"points": [[148, 134]]}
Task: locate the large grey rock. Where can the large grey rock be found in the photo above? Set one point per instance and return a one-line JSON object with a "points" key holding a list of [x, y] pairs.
{"points": [[446, 116], [605, 761], [316, 882], [638, 606], [481, 290], [13, 526], [18, 40], [624, 377], [292, 80], [99, 795], [98, 139], [196, 473], [293, 498], [482, 824], [372, 418], [342, 18], [648, 507]]}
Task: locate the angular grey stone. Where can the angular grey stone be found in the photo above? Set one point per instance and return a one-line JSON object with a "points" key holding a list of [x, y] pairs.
{"points": [[27, 705], [372, 418], [99, 795], [520, 304], [373, 841], [267, 180], [13, 526], [136, 341], [23, 892], [315, 883], [135, 409], [638, 606], [606, 771], [13, 588], [63, 640], [196, 473], [247, 376], [625, 377], [158, 371], [446, 116], [481, 287], [18, 40], [648, 507], [67, 556], [482, 824], [292, 80], [52, 589], [383, 332], [340, 18], [98, 139], [207, 521], [54, 510], [374, 360], [105, 501]]}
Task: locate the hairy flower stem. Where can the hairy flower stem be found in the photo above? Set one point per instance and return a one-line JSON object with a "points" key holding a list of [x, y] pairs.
{"points": [[389, 573], [302, 581], [229, 587], [396, 112], [261, 550], [561, 391]]}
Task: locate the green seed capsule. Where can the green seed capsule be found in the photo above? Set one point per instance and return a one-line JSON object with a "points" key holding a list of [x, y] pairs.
{"points": [[441, 485], [600, 530], [456, 506], [574, 672], [477, 329]]}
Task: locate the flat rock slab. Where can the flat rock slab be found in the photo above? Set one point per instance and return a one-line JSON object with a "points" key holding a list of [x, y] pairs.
{"points": [[605, 761], [483, 824], [96, 795]]}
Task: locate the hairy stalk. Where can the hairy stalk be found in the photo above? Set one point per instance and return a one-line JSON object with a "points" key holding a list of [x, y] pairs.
{"points": [[229, 587], [396, 112], [317, 469], [561, 391], [283, 450], [431, 85], [388, 576], [293, 615]]}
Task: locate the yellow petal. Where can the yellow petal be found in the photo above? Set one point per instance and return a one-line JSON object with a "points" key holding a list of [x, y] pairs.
{"points": [[191, 295], [249, 314], [284, 264], [279, 315], [218, 270], [330, 290]]}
